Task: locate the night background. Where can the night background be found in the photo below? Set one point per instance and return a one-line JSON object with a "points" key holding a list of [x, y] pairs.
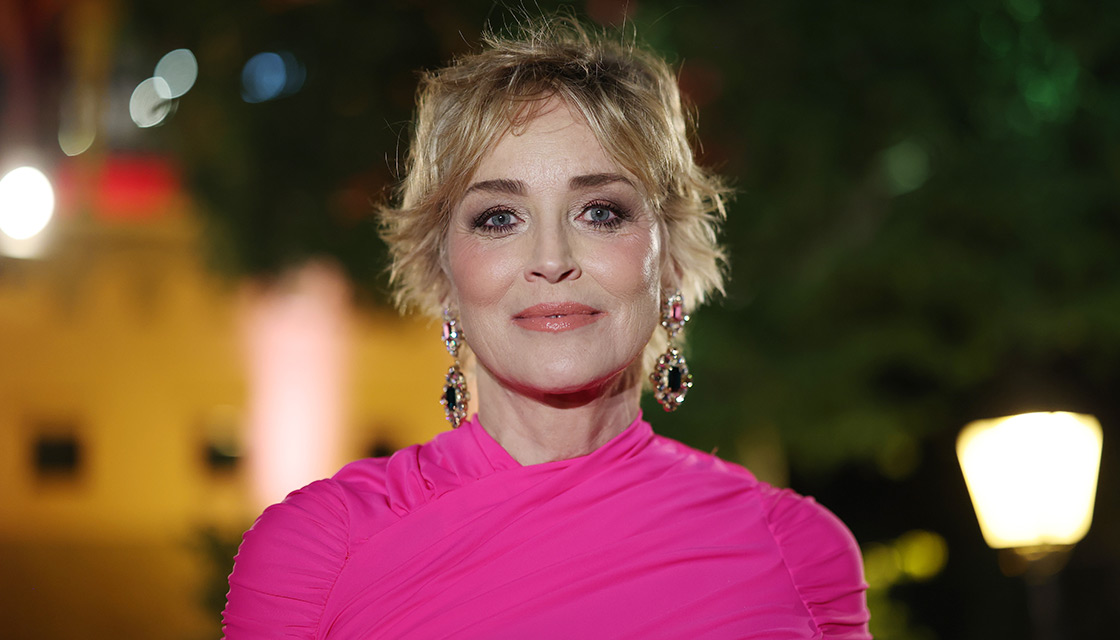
{"points": [[925, 232]]}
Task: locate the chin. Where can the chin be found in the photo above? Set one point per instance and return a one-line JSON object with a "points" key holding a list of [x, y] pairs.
{"points": [[563, 379]]}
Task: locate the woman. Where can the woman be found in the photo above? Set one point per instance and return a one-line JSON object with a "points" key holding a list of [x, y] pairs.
{"points": [[554, 213]]}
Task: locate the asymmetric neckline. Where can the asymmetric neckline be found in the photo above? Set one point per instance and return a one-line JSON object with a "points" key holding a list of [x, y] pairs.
{"points": [[641, 538], [634, 437]]}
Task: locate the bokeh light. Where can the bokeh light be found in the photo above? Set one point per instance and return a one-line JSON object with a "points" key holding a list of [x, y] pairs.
{"points": [[76, 140], [922, 554], [151, 102], [269, 75], [26, 202], [179, 69], [882, 565], [77, 127], [295, 340], [917, 555], [905, 166]]}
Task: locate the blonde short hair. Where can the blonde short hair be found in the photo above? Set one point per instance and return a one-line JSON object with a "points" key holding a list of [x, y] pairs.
{"points": [[632, 103]]}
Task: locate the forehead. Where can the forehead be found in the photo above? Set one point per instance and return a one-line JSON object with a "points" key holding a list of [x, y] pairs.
{"points": [[549, 140]]}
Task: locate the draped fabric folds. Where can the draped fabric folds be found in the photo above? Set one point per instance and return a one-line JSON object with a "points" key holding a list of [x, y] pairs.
{"points": [[643, 538]]}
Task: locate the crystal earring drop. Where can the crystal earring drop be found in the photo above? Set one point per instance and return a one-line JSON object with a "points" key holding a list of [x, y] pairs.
{"points": [[671, 378], [455, 396]]}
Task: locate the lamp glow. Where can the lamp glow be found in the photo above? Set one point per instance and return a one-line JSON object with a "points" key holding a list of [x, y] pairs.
{"points": [[26, 203], [1032, 477], [295, 337]]}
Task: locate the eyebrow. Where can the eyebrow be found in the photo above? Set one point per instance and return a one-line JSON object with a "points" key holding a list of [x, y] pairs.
{"points": [[512, 187], [597, 180]]}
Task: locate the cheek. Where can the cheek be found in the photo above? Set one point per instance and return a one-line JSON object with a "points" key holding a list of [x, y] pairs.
{"points": [[479, 271], [632, 267]]}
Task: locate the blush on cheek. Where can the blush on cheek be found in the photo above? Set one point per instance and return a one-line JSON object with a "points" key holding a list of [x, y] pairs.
{"points": [[479, 273], [642, 250]]}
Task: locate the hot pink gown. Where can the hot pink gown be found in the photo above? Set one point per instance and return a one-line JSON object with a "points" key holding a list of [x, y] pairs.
{"points": [[643, 538]]}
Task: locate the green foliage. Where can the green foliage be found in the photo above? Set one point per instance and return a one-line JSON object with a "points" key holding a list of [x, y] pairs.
{"points": [[926, 225], [926, 212]]}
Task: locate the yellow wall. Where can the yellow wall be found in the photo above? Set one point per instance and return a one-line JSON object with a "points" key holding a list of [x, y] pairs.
{"points": [[120, 332]]}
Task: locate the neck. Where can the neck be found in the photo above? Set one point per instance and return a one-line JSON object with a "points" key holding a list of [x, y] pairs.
{"points": [[540, 427]]}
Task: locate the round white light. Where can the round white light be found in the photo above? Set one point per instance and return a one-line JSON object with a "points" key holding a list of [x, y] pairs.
{"points": [[26, 202], [150, 103], [179, 69]]}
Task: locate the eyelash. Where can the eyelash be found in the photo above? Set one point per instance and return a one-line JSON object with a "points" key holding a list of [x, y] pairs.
{"points": [[479, 223], [620, 215]]}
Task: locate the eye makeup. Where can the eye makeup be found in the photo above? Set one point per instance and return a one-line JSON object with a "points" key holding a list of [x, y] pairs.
{"points": [[495, 220], [619, 214]]}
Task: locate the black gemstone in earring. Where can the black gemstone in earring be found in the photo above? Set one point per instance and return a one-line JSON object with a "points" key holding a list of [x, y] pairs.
{"points": [[455, 396], [675, 379], [671, 378]]}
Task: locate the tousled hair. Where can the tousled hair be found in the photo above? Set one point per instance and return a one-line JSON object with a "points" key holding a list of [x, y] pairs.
{"points": [[628, 96]]}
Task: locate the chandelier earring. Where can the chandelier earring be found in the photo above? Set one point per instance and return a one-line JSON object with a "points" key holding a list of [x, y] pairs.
{"points": [[455, 396], [671, 378]]}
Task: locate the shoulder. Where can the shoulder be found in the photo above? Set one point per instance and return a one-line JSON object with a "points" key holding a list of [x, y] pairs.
{"points": [[289, 559], [823, 560], [819, 552], [684, 460]]}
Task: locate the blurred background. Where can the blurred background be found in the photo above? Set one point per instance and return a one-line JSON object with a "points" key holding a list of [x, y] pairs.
{"points": [[194, 316]]}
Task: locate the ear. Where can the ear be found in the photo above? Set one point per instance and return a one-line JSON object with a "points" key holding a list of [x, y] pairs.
{"points": [[670, 270], [447, 295], [670, 274], [448, 298]]}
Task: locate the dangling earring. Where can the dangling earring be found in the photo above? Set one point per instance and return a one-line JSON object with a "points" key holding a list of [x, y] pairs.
{"points": [[671, 378], [455, 396]]}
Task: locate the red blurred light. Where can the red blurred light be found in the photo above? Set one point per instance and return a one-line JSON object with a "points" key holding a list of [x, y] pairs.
{"points": [[135, 188], [120, 188]]}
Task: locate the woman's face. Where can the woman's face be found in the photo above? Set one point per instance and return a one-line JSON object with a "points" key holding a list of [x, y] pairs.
{"points": [[554, 259]]}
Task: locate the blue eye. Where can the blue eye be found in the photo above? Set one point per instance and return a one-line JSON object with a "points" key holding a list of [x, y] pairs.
{"points": [[495, 221], [599, 214], [500, 219], [605, 216]]}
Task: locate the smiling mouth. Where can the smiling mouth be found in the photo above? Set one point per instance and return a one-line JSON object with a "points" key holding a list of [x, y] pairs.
{"points": [[555, 317]]}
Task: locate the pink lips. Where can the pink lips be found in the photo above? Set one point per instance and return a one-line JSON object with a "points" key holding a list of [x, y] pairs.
{"points": [[555, 317]]}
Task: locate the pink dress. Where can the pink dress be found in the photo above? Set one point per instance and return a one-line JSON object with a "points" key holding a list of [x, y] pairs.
{"points": [[643, 538]]}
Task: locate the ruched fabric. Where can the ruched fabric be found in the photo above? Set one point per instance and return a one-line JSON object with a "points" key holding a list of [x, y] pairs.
{"points": [[643, 538]]}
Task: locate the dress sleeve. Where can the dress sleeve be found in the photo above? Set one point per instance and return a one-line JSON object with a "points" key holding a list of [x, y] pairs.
{"points": [[287, 565], [824, 562]]}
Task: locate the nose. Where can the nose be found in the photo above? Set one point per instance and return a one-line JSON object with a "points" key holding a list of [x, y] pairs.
{"points": [[552, 259]]}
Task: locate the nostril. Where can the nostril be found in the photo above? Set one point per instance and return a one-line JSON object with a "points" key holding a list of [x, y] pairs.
{"points": [[554, 272]]}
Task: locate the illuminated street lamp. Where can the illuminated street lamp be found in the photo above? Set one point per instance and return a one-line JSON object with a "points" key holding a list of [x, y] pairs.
{"points": [[1033, 481], [1032, 477]]}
